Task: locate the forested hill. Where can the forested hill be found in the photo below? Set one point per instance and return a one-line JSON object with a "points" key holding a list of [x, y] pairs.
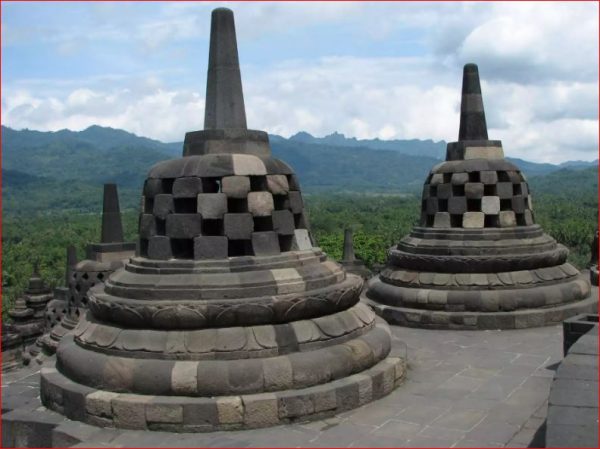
{"points": [[66, 169]]}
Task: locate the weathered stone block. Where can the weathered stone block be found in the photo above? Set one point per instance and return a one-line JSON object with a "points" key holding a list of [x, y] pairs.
{"points": [[98, 403], [278, 184], [260, 410], [230, 410], [528, 217], [504, 189], [201, 412], [260, 204], [436, 178], [518, 204], [212, 205], [457, 205], [129, 412], [507, 218], [473, 220], [163, 205], [488, 177], [152, 187], [474, 190], [210, 247], [301, 241], [164, 413], [147, 226], [431, 206], [441, 220], [490, 205], [235, 186], [184, 378], [283, 222], [295, 199], [444, 191], [324, 398], [238, 226], [265, 243], [292, 404], [187, 187], [159, 247], [184, 226], [278, 373], [460, 178]]}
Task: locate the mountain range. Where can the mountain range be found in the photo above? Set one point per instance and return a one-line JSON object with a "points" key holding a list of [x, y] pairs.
{"points": [[66, 168]]}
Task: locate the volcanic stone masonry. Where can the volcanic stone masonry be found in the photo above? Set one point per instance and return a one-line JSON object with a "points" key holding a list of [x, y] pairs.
{"points": [[229, 317], [349, 261], [102, 259], [477, 260]]}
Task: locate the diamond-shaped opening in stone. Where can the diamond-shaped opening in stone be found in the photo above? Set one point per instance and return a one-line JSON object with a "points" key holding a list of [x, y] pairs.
{"points": [[100, 276], [458, 190], [517, 189], [212, 227], [281, 202], [263, 224], [474, 176], [182, 248], [489, 190], [211, 185], [237, 248], [258, 183], [144, 247], [432, 190], [456, 220], [442, 205], [237, 205], [474, 205], [161, 226], [491, 221], [148, 205], [521, 220], [78, 287], [185, 205], [167, 185], [300, 221], [447, 178], [506, 204], [84, 276], [285, 242], [503, 176]]}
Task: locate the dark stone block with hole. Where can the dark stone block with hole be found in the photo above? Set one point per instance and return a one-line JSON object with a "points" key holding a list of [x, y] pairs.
{"points": [[238, 226], [210, 247], [283, 222], [147, 226], [159, 247], [474, 190], [188, 187], [295, 199], [163, 205], [457, 205], [184, 226], [504, 189], [518, 204], [431, 206], [212, 205], [444, 191], [265, 243]]}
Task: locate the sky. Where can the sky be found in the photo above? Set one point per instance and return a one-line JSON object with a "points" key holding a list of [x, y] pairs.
{"points": [[389, 70]]}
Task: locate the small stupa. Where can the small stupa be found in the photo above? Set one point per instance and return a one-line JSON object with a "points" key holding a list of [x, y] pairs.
{"points": [[477, 260], [229, 317], [102, 259], [349, 260], [12, 348]]}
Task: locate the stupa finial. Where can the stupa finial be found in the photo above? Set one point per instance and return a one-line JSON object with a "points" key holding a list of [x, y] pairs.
{"points": [[112, 229], [348, 254], [472, 115], [224, 96]]}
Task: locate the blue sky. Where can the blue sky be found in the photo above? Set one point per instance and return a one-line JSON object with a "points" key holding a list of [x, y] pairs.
{"points": [[387, 70]]}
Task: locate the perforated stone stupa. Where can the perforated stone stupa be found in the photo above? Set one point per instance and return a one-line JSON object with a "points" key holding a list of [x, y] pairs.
{"points": [[229, 317], [477, 260]]}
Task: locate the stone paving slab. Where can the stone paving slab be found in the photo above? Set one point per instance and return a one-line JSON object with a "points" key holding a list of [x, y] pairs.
{"points": [[463, 389]]}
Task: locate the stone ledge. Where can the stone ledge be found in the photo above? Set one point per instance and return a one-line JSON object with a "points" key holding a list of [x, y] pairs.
{"points": [[229, 412]]}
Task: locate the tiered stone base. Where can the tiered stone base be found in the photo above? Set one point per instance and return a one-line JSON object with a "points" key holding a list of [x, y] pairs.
{"points": [[205, 414]]}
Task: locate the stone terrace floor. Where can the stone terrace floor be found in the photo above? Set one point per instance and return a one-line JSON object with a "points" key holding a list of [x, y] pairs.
{"points": [[463, 389]]}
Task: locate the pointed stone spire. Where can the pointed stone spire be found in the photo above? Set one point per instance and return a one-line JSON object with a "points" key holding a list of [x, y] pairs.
{"points": [[71, 262], [224, 97], [472, 115], [348, 254], [112, 229]]}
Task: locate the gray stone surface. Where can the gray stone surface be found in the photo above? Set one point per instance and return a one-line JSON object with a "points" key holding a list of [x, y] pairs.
{"points": [[463, 389]]}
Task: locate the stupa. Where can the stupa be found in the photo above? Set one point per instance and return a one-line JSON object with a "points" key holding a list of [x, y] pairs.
{"points": [[477, 260], [12, 348], [229, 317], [349, 260], [594, 260], [102, 259]]}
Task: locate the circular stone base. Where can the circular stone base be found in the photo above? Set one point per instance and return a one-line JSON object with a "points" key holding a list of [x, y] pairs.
{"points": [[518, 319], [206, 414]]}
